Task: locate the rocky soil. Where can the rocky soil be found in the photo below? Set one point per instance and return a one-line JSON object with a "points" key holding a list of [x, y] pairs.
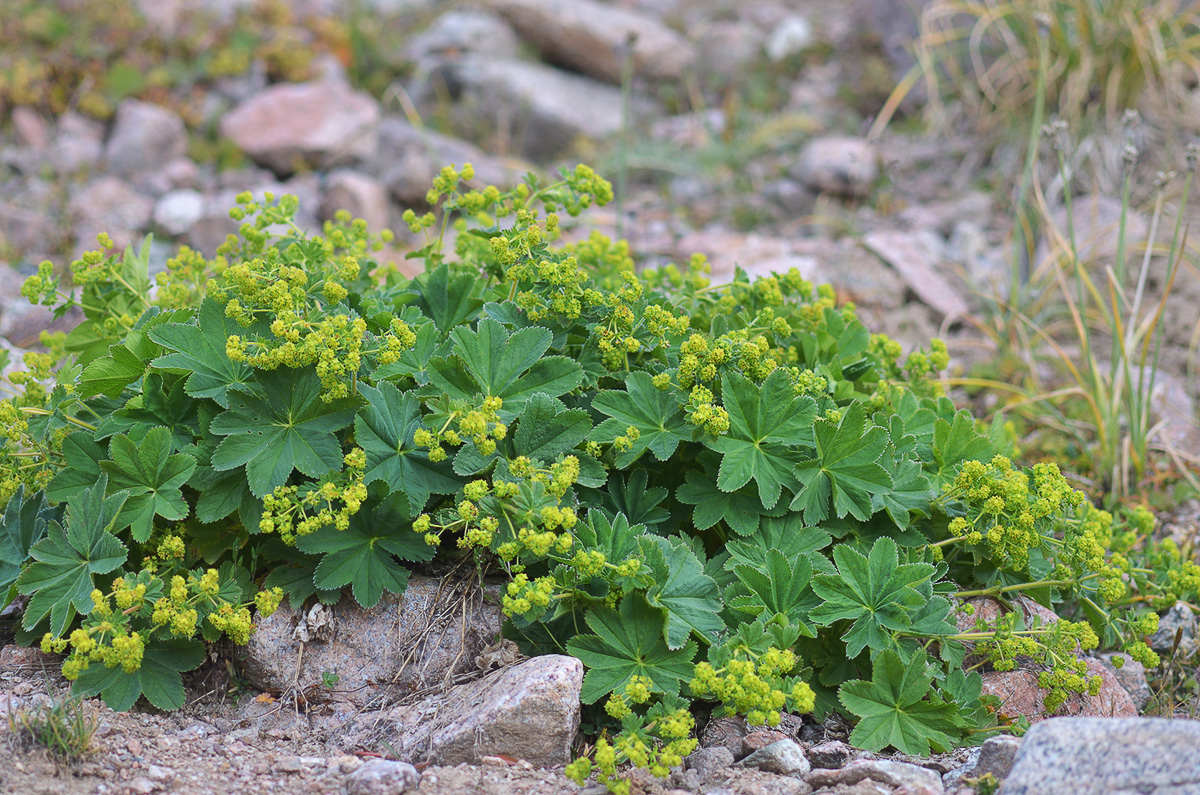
{"points": [[420, 695]]}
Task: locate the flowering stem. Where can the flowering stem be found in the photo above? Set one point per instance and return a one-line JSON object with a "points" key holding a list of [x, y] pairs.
{"points": [[67, 417]]}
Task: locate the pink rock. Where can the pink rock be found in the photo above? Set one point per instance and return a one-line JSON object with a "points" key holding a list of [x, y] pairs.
{"points": [[1019, 694], [293, 126], [358, 194]]}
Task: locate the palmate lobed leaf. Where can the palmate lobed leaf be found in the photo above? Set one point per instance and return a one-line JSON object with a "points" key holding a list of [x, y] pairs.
{"points": [[159, 679], [626, 642], [199, 350], [689, 597], [152, 477], [61, 577], [846, 474], [654, 412], [285, 428], [364, 555], [766, 425], [875, 592], [896, 708], [384, 428]]}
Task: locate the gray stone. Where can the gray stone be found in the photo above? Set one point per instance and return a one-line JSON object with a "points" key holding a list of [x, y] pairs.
{"points": [[460, 32], [108, 205], [952, 778], [591, 37], [145, 137], [830, 755], [996, 756], [708, 761], [1131, 675], [176, 212], [840, 165], [382, 777], [409, 158], [527, 711], [78, 143], [1179, 620], [914, 780], [293, 126], [784, 757], [360, 195], [1094, 756], [540, 111], [915, 256], [417, 640]]}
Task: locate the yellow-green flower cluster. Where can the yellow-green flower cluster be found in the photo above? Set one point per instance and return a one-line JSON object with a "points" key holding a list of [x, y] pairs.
{"points": [[657, 741], [300, 510], [1009, 517], [755, 687], [481, 425], [527, 598]]}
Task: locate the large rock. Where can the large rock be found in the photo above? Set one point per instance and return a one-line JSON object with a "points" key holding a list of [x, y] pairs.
{"points": [[899, 776], [1131, 675], [290, 127], [78, 143], [783, 757], [144, 138], [539, 111], [527, 711], [591, 37], [419, 639], [1091, 756], [1019, 694], [382, 777]]}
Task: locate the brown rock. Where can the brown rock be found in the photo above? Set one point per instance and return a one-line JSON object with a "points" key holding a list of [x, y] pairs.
{"points": [[591, 37], [840, 165], [726, 733], [757, 740], [293, 126], [1019, 694], [404, 644], [109, 205]]}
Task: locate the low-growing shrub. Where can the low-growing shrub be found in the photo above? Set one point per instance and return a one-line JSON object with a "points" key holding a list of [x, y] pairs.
{"points": [[729, 495]]}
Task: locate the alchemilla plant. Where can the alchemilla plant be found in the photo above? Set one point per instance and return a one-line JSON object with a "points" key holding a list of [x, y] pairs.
{"points": [[727, 496]]}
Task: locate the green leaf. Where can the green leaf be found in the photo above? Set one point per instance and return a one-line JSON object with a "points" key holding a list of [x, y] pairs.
{"points": [[290, 428], [615, 537], [511, 367], [627, 643], [60, 578], [765, 425], [654, 412], [893, 709], [199, 349], [82, 455], [740, 510], [158, 679], [152, 477], [954, 443], [546, 430], [846, 469], [23, 525], [384, 428], [876, 593], [779, 586], [109, 375], [362, 555], [682, 590], [447, 299], [631, 497]]}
